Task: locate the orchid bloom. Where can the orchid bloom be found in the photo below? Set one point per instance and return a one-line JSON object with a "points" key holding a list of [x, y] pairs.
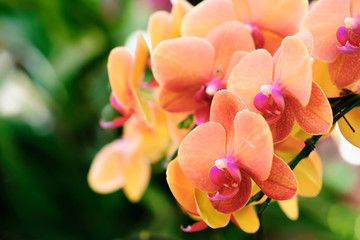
{"points": [[163, 25], [281, 89], [126, 163], [126, 75], [190, 70], [218, 159], [269, 20], [335, 25], [308, 174]]}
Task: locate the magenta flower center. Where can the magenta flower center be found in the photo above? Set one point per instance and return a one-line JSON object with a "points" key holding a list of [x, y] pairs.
{"points": [[348, 36], [270, 102], [227, 176]]}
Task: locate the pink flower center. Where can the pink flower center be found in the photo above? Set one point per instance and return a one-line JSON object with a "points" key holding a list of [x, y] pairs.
{"points": [[207, 92], [270, 102], [348, 36], [225, 174]]}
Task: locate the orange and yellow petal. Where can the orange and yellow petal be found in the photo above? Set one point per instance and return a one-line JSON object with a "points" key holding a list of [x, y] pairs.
{"points": [[181, 188], [208, 213], [246, 219]]}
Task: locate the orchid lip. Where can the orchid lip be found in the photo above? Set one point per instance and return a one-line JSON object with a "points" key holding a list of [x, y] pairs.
{"points": [[349, 49], [270, 102], [227, 176]]}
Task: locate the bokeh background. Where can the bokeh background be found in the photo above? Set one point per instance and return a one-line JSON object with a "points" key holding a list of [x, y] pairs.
{"points": [[53, 88]]}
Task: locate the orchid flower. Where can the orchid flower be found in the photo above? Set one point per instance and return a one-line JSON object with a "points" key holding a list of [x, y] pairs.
{"points": [[281, 89], [126, 163], [190, 70], [126, 75], [268, 20], [218, 159], [335, 25]]}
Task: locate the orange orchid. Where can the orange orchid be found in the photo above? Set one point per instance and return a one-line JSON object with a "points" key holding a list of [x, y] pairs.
{"points": [[190, 70], [269, 20], [126, 163], [335, 25], [218, 159], [126, 75], [281, 89], [163, 25]]}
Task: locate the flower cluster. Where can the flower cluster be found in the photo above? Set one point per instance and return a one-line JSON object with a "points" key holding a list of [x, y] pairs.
{"points": [[236, 82]]}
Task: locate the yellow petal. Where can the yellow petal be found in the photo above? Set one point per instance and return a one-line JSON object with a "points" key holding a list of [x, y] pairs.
{"points": [[290, 208], [107, 171], [208, 213], [354, 119], [137, 178], [247, 219], [309, 175], [321, 76]]}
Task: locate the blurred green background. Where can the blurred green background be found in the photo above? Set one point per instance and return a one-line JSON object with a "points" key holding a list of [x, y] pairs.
{"points": [[53, 87]]}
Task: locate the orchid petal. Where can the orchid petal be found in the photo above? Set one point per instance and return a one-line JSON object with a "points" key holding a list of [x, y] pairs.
{"points": [[316, 117], [208, 213], [242, 10], [224, 107], [137, 178], [246, 219], [353, 118], [281, 184], [107, 171], [293, 69], [280, 16], [181, 63], [120, 67], [323, 25], [179, 9], [345, 70], [158, 27], [179, 101], [141, 60], [272, 41], [253, 144], [321, 76], [228, 38], [247, 77], [290, 208], [181, 188], [206, 16], [198, 152], [198, 226], [309, 176]]}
